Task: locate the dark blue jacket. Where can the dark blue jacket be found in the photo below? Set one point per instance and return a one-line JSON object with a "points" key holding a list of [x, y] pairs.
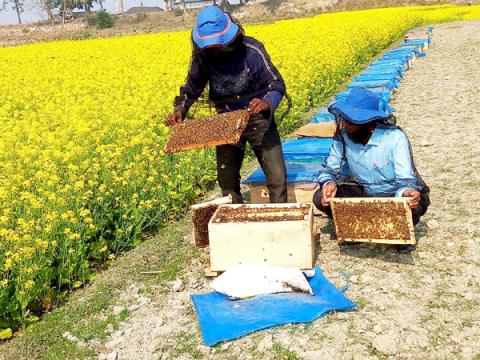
{"points": [[245, 74]]}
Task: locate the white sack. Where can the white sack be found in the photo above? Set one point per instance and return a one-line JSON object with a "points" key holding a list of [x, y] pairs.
{"points": [[246, 280]]}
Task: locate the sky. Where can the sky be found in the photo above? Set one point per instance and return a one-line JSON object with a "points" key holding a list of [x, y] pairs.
{"points": [[32, 14]]}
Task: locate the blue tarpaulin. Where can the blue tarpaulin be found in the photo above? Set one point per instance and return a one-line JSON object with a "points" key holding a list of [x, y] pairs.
{"points": [[322, 116], [406, 57], [388, 85], [296, 173], [403, 63], [417, 41], [316, 148], [378, 76], [394, 71], [222, 319], [404, 50], [387, 69]]}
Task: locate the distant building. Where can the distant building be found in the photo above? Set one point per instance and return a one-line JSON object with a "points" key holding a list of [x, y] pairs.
{"points": [[196, 4], [143, 9]]}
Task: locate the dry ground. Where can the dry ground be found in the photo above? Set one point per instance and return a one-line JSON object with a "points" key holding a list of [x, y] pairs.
{"points": [[419, 306]]}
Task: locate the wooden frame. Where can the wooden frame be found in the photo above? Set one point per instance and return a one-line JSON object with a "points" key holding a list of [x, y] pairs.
{"points": [[322, 130], [289, 243], [407, 217], [179, 131]]}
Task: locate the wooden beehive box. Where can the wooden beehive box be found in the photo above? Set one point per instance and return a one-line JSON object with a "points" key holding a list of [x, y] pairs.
{"points": [[201, 215], [220, 129], [278, 234], [296, 193], [377, 220]]}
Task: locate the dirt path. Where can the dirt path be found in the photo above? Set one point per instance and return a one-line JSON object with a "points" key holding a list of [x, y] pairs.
{"points": [[416, 306]]}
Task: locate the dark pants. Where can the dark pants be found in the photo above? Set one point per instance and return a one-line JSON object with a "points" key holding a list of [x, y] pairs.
{"points": [[349, 190], [262, 134]]}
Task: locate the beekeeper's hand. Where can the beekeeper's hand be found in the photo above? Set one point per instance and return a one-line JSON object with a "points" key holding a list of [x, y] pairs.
{"points": [[329, 190], [257, 106], [414, 197], [173, 118]]}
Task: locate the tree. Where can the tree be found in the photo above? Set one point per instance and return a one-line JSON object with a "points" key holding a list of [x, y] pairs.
{"points": [[48, 6], [17, 5]]}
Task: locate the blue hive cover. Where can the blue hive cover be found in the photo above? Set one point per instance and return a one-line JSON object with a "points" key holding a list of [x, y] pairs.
{"points": [[322, 116], [388, 69], [296, 173], [365, 76], [306, 148], [405, 50], [406, 57], [390, 63], [384, 84]]}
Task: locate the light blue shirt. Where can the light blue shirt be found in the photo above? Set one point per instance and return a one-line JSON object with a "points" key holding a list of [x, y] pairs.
{"points": [[384, 166]]}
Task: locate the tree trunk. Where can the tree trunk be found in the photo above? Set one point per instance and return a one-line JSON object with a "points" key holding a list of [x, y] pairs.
{"points": [[100, 2], [184, 6], [63, 15], [17, 8], [48, 9]]}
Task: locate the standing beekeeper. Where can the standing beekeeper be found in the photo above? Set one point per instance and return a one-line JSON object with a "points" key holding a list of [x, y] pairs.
{"points": [[240, 76], [370, 156]]}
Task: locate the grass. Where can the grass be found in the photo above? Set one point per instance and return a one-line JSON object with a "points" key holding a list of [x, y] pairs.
{"points": [[185, 344], [87, 313], [280, 352]]}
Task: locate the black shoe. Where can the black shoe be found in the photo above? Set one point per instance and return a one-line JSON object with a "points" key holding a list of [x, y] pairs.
{"points": [[406, 249]]}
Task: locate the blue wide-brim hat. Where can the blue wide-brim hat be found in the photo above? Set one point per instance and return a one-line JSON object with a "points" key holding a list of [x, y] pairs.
{"points": [[213, 27], [360, 107]]}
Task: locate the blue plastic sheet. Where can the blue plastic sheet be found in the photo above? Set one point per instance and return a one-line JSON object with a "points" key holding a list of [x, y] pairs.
{"points": [[417, 41], [420, 53], [403, 63], [403, 50], [388, 73], [221, 319], [388, 85], [378, 76], [310, 148], [322, 116], [386, 69], [296, 173], [406, 57]]}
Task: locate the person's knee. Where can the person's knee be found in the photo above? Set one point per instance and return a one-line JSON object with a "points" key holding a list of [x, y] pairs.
{"points": [[317, 199]]}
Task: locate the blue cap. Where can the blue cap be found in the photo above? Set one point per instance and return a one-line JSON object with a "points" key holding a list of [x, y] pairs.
{"points": [[213, 27], [360, 107]]}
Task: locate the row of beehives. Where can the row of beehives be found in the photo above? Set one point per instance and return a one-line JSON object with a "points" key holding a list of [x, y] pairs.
{"points": [[284, 234]]}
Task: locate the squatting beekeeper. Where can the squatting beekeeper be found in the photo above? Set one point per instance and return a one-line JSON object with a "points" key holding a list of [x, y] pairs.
{"points": [[370, 156], [240, 75]]}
